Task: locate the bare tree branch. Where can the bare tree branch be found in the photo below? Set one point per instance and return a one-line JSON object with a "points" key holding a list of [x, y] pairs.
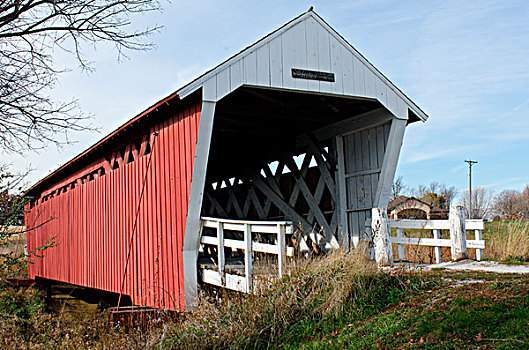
{"points": [[29, 32]]}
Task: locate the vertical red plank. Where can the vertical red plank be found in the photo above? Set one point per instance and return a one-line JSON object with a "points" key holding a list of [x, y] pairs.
{"points": [[172, 249], [144, 233], [162, 228], [150, 224], [155, 176], [112, 234]]}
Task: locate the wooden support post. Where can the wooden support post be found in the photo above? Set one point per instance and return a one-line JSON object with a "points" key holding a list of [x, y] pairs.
{"points": [[341, 204], [381, 239], [281, 261], [457, 233], [479, 252], [220, 248], [437, 250], [248, 257], [402, 256]]}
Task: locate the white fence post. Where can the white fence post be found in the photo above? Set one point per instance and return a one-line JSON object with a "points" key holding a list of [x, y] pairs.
{"points": [[281, 261], [220, 250], [248, 257], [479, 252], [458, 237], [400, 246], [381, 237], [437, 249]]}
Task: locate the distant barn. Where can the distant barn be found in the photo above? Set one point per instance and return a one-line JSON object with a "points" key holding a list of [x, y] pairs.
{"points": [[404, 207], [298, 127]]}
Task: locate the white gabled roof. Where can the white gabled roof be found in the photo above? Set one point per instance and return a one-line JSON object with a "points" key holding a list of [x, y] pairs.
{"points": [[306, 42]]}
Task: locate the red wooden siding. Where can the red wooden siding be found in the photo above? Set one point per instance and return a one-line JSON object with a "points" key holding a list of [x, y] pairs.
{"points": [[93, 222]]}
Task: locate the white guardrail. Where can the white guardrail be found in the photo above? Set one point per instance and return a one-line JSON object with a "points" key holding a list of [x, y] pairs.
{"points": [[244, 283]]}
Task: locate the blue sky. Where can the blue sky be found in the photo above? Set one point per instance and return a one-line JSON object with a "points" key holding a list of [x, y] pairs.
{"points": [[465, 63]]}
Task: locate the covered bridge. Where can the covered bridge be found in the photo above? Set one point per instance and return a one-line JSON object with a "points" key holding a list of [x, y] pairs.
{"points": [[297, 127]]}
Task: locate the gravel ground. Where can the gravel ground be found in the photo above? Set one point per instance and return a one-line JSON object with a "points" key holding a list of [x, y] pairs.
{"points": [[468, 265]]}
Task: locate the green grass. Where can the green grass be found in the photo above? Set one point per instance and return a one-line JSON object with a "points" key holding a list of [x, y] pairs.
{"points": [[494, 314]]}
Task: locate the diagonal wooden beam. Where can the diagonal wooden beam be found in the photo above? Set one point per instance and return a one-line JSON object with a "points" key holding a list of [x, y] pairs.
{"points": [[323, 166], [272, 180], [216, 204], [253, 196], [318, 194], [279, 202], [304, 169], [236, 205]]}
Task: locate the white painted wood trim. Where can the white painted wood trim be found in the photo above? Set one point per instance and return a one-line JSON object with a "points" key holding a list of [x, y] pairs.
{"points": [[437, 249], [423, 241], [193, 228], [234, 282], [389, 164], [457, 233], [281, 254], [479, 252], [220, 248], [342, 197], [381, 237], [433, 242], [256, 246], [433, 224], [402, 256], [248, 257], [354, 124]]}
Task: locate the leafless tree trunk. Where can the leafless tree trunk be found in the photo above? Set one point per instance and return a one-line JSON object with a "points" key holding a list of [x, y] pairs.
{"points": [[398, 187]]}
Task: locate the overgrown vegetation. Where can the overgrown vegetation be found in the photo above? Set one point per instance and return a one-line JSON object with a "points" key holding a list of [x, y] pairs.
{"points": [[331, 302], [313, 299], [507, 241]]}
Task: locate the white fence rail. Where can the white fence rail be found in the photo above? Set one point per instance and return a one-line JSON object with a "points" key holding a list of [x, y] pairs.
{"points": [[435, 226], [248, 244], [456, 224]]}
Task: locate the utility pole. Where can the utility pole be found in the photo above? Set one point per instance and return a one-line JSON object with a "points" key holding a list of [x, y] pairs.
{"points": [[470, 163]]}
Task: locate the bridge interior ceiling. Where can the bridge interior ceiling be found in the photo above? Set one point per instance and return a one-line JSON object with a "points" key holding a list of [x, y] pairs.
{"points": [[266, 163], [252, 125]]}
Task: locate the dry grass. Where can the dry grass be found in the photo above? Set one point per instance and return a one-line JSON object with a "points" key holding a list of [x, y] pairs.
{"points": [[316, 289], [508, 241]]}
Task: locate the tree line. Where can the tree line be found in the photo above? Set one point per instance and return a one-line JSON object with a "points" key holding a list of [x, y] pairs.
{"points": [[505, 205]]}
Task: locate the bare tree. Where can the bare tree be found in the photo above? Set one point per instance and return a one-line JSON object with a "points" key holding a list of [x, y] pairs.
{"points": [[398, 187], [524, 199], [419, 191], [449, 194], [481, 203], [433, 187], [508, 203], [30, 30], [11, 199]]}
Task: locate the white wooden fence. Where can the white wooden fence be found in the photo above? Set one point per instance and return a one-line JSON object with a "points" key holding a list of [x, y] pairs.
{"points": [[456, 224], [248, 244]]}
